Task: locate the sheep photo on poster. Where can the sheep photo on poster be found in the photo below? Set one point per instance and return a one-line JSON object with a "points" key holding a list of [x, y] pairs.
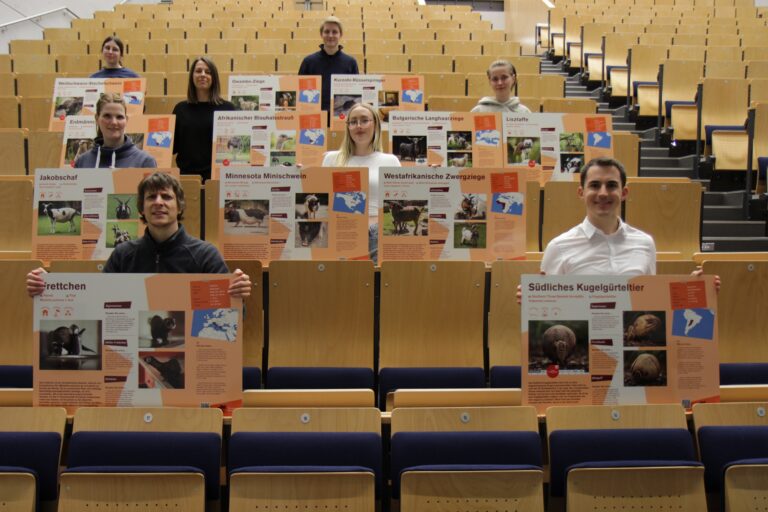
{"points": [[564, 343]]}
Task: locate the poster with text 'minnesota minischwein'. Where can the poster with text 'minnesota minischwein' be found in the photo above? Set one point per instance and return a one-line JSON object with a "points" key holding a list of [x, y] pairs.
{"points": [[285, 213], [594, 340], [137, 339]]}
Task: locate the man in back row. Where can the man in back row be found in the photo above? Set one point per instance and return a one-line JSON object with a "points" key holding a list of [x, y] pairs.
{"points": [[330, 60], [165, 246]]}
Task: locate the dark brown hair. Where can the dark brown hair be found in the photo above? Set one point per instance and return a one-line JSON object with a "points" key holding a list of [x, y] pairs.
{"points": [[158, 181], [215, 97], [604, 162]]}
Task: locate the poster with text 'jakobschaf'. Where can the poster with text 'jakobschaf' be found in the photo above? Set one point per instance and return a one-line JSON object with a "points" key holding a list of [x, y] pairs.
{"points": [[447, 139], [267, 139], [83, 214], [603, 340], [275, 92], [152, 133], [137, 340], [555, 146], [78, 97], [451, 214], [383, 92], [280, 213]]}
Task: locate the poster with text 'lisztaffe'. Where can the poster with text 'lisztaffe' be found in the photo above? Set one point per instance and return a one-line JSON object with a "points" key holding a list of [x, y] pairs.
{"points": [[83, 214], [78, 97], [275, 92], [152, 133], [267, 139], [385, 93], [285, 213], [555, 146], [603, 340], [451, 214], [447, 139], [137, 340]]}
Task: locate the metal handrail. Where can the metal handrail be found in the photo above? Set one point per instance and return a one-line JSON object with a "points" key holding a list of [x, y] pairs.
{"points": [[39, 15]]}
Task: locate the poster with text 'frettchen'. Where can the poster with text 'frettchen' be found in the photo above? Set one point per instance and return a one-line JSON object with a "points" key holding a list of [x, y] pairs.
{"points": [[555, 146], [604, 340], [267, 139], [78, 97], [451, 214], [151, 133], [447, 139], [137, 340], [385, 93], [285, 213], [275, 92], [83, 214]]}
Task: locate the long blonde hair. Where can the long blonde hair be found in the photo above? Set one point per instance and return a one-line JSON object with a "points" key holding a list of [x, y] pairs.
{"points": [[347, 149]]}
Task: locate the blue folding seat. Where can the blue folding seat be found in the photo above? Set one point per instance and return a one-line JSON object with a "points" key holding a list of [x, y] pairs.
{"points": [[143, 457], [733, 443], [286, 458], [30, 447], [466, 456], [603, 456]]}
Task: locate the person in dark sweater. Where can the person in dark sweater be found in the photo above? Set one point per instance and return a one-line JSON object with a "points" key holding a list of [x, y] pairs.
{"points": [[112, 50], [194, 119], [165, 247], [330, 60], [111, 147]]}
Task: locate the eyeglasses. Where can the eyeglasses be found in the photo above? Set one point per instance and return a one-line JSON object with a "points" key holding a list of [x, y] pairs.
{"points": [[362, 122]]}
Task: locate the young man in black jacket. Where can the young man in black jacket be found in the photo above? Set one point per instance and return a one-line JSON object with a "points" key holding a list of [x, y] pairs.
{"points": [[330, 60]]}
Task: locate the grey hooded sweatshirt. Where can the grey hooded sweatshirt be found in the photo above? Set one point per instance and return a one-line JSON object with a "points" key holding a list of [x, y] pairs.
{"points": [[489, 104], [127, 155]]}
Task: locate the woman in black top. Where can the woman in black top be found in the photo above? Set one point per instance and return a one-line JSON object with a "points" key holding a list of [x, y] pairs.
{"points": [[194, 118]]}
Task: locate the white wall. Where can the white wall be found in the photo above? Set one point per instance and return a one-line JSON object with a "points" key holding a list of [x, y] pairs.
{"points": [[12, 10]]}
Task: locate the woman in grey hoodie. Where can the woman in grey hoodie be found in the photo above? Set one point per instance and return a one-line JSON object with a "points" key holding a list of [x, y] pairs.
{"points": [[502, 77], [112, 149]]}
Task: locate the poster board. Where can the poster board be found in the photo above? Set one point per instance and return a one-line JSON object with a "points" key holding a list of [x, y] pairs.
{"points": [[594, 340], [151, 133], [97, 210], [451, 214], [447, 139], [279, 213], [244, 139], [275, 92], [384, 92], [555, 146], [78, 97], [137, 340]]}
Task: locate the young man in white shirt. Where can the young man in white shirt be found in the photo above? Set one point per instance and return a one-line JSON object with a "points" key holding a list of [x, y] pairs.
{"points": [[603, 243]]}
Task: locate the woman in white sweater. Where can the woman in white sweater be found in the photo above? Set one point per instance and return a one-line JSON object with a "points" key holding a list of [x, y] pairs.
{"points": [[502, 77], [362, 147]]}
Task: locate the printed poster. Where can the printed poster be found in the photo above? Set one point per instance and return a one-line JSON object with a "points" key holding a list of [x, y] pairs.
{"points": [[383, 92], [451, 214], [78, 97], [555, 146], [83, 214], [275, 92], [137, 340], [446, 139], [274, 139], [603, 340], [279, 213], [151, 133]]}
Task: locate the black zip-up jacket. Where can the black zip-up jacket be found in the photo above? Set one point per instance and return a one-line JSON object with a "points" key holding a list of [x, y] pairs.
{"points": [[180, 254]]}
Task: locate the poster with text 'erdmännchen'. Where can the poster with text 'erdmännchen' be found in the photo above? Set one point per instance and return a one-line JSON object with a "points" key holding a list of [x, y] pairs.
{"points": [[137, 340], [603, 340]]}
